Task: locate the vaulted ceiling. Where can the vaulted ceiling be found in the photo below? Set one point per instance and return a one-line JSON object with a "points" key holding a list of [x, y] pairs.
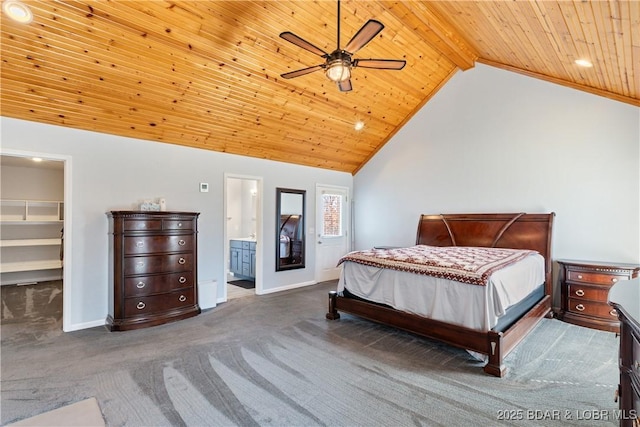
{"points": [[206, 74]]}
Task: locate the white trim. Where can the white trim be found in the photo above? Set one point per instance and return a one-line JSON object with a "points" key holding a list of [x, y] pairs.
{"points": [[289, 287], [86, 325], [67, 296]]}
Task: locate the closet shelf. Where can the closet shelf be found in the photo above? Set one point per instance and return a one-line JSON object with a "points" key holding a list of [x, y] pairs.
{"points": [[12, 267], [29, 242]]}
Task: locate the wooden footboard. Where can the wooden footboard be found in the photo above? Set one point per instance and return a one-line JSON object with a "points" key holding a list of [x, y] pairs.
{"points": [[496, 345]]}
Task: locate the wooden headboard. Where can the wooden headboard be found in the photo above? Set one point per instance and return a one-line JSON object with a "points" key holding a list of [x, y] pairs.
{"points": [[499, 230]]}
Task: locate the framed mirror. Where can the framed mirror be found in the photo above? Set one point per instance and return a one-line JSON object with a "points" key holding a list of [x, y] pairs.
{"points": [[290, 228]]}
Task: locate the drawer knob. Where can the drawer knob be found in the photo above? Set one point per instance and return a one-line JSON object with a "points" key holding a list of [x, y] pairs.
{"points": [[580, 292], [140, 263], [181, 242], [140, 285], [181, 261], [182, 279], [614, 313], [179, 224], [139, 244], [614, 280], [579, 276], [182, 298], [141, 305], [580, 307]]}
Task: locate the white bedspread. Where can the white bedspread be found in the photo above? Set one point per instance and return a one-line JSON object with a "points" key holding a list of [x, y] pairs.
{"points": [[472, 306]]}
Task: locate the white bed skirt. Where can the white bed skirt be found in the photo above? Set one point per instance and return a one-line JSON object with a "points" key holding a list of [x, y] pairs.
{"points": [[472, 306]]}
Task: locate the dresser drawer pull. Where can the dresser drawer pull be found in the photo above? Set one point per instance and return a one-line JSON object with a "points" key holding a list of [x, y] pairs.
{"points": [[181, 242], [182, 279], [579, 276], [182, 298], [614, 313], [182, 261], [614, 279], [580, 292], [141, 305], [140, 263], [580, 307], [179, 224], [140, 285], [139, 244]]}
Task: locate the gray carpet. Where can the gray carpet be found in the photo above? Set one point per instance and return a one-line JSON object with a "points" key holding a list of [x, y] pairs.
{"points": [[274, 360]]}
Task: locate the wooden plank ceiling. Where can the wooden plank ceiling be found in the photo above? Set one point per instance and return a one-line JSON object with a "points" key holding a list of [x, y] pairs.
{"points": [[206, 74]]}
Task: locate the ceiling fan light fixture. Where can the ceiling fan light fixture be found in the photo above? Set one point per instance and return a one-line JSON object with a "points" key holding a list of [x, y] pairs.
{"points": [[17, 11], [339, 70]]}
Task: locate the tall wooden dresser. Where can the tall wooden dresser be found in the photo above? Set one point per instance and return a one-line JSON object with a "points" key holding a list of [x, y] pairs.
{"points": [[584, 288], [153, 268], [624, 296]]}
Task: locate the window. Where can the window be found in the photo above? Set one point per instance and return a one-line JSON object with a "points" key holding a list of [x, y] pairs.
{"points": [[331, 215]]}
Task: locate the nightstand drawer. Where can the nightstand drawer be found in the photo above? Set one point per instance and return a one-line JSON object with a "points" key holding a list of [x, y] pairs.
{"points": [[593, 277], [591, 308], [588, 292]]}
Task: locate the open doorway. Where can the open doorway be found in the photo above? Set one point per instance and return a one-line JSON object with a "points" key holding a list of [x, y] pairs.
{"points": [[32, 216], [243, 232]]}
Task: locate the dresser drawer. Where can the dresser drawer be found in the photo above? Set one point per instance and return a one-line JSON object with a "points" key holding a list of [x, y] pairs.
{"points": [[142, 224], [177, 224], [158, 303], [148, 285], [158, 264], [157, 244], [591, 308], [595, 277], [588, 292]]}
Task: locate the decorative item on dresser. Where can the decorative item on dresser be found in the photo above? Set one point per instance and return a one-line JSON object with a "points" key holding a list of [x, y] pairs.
{"points": [[153, 268], [624, 296], [584, 287]]}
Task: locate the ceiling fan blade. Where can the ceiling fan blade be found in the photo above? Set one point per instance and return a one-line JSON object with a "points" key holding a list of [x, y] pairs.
{"points": [[301, 72], [290, 37], [364, 36], [345, 86], [381, 64]]}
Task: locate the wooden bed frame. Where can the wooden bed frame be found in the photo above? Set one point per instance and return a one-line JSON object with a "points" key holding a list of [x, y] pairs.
{"points": [[517, 231]]}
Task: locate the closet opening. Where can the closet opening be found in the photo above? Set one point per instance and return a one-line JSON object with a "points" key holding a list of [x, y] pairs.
{"points": [[31, 242]]}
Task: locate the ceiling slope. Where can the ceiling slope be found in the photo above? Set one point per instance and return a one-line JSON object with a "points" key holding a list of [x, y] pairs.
{"points": [[206, 74]]}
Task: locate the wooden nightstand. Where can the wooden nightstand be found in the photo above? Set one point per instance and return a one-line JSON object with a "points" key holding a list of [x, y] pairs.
{"points": [[584, 289]]}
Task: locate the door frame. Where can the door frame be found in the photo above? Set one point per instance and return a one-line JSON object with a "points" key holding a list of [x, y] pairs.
{"points": [[67, 295], [348, 226], [259, 230]]}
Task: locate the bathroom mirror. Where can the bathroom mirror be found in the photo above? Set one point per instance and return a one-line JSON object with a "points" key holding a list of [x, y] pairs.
{"points": [[290, 228]]}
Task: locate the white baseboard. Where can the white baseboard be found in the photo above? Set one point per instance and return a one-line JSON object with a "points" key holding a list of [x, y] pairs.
{"points": [[85, 325], [287, 287]]}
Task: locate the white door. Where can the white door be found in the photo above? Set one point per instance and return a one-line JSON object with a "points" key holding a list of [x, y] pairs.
{"points": [[332, 230]]}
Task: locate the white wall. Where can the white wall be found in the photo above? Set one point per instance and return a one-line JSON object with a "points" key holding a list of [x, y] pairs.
{"points": [[114, 173], [496, 141]]}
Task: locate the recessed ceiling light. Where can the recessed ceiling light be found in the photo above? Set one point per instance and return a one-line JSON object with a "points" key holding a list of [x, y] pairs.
{"points": [[17, 11], [359, 125], [584, 63]]}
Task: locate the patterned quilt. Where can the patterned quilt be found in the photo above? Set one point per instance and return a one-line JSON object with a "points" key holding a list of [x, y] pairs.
{"points": [[471, 265]]}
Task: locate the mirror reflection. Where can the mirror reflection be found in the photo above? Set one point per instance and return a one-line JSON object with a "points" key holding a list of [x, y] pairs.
{"points": [[290, 206]]}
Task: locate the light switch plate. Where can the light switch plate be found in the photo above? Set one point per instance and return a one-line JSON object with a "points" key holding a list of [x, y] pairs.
{"points": [[204, 187]]}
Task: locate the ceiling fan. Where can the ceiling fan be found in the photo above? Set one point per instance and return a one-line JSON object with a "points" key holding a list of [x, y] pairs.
{"points": [[338, 64]]}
